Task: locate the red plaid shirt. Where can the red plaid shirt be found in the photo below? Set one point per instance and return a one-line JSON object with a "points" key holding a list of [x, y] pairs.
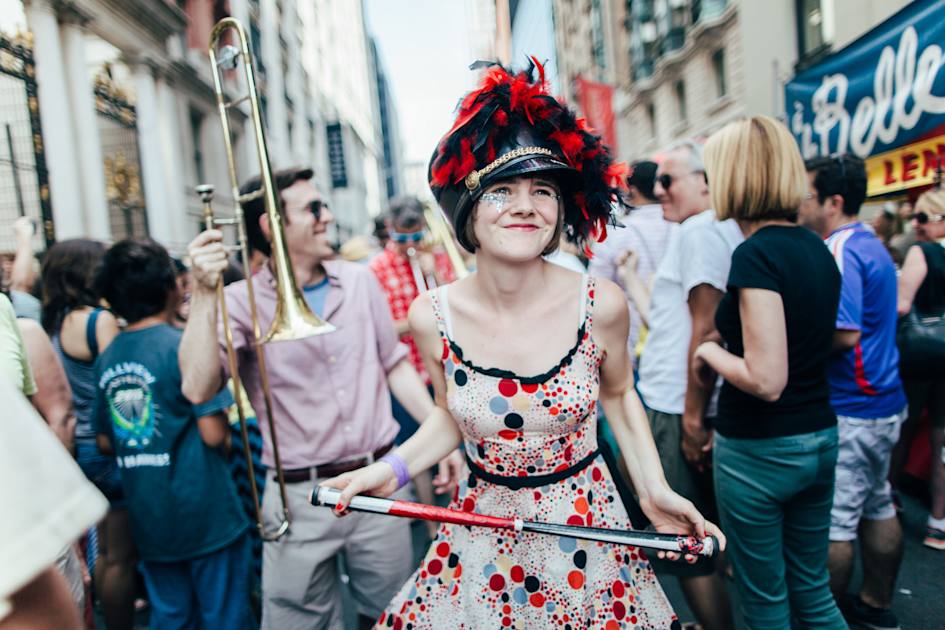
{"points": [[393, 272]]}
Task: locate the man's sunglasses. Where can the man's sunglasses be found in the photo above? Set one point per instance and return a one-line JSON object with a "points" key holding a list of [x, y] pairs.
{"points": [[316, 208], [666, 180], [407, 237], [924, 217]]}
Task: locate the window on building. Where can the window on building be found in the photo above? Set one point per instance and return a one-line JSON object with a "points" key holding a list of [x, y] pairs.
{"points": [[255, 36], [680, 90], [651, 119], [336, 156], [813, 24], [196, 124], [718, 69], [597, 35]]}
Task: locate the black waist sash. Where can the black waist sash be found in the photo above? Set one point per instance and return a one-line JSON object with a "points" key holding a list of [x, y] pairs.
{"points": [[531, 481]]}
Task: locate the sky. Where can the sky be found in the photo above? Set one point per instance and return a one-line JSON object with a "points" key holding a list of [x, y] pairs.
{"points": [[424, 47]]}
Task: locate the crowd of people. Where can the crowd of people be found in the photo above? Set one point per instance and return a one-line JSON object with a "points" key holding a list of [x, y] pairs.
{"points": [[734, 360]]}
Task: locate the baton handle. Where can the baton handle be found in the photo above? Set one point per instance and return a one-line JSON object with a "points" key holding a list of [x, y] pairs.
{"points": [[708, 546]]}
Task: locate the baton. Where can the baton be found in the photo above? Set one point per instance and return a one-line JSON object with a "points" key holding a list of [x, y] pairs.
{"points": [[708, 546]]}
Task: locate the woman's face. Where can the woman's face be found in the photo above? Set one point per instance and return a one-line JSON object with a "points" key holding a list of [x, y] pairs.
{"points": [[928, 225], [516, 218]]}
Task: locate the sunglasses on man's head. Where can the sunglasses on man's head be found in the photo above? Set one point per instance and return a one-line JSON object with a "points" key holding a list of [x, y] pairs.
{"points": [[924, 217], [666, 180]]}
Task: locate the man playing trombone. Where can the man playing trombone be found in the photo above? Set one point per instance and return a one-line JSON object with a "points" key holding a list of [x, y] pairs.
{"points": [[330, 401]]}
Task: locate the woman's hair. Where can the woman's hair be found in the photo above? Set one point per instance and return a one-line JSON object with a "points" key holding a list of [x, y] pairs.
{"points": [[68, 278], [469, 229], [931, 202], [755, 171], [137, 277]]}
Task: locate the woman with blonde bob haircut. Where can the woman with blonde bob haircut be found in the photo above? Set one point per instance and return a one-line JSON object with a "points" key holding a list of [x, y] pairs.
{"points": [[775, 446], [755, 171]]}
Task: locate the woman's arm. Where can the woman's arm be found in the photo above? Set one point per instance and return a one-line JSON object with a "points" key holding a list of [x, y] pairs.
{"points": [[763, 371], [914, 270], [53, 398], [668, 511], [23, 273], [438, 435]]}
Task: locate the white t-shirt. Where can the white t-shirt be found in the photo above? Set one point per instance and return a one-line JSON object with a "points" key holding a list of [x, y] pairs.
{"points": [[47, 501], [700, 252]]}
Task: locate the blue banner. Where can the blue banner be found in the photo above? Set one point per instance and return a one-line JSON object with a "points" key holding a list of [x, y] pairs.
{"points": [[884, 90]]}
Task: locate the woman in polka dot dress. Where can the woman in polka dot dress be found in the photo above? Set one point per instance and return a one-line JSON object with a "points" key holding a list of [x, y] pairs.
{"points": [[529, 426]]}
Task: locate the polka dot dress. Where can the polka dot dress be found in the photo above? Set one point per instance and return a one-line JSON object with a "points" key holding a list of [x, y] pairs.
{"points": [[528, 427]]}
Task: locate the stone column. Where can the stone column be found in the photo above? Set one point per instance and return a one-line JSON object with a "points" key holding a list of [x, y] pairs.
{"points": [[173, 155], [54, 112], [88, 147], [153, 171]]}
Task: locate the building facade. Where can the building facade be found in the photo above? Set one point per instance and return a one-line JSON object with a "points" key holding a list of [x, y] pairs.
{"points": [[128, 116], [684, 68]]}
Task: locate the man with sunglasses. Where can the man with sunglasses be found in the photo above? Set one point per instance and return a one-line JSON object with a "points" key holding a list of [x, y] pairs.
{"points": [[865, 391], [331, 405], [645, 233], [687, 287], [404, 254]]}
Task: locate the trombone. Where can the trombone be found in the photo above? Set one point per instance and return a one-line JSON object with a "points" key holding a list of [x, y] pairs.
{"points": [[439, 234], [443, 235], [293, 319]]}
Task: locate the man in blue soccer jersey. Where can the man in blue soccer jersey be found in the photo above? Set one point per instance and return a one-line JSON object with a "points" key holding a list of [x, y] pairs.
{"points": [[865, 392]]}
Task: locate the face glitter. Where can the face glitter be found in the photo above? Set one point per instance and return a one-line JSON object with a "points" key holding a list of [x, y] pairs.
{"points": [[497, 200]]}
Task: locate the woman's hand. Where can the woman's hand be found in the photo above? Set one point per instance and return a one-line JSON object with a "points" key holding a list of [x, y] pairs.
{"points": [[451, 469], [672, 514], [378, 480]]}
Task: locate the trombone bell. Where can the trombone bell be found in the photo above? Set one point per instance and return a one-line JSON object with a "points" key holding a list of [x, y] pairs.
{"points": [[295, 320]]}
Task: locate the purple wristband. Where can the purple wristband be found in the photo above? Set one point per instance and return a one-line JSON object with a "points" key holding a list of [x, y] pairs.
{"points": [[400, 468]]}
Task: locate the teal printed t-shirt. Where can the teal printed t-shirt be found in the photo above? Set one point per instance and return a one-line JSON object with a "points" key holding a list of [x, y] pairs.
{"points": [[182, 501]]}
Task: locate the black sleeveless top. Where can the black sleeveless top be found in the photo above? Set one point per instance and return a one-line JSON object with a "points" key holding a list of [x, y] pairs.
{"points": [[930, 298]]}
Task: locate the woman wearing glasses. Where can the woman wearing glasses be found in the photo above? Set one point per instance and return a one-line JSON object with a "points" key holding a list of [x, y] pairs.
{"points": [[520, 352], [922, 287]]}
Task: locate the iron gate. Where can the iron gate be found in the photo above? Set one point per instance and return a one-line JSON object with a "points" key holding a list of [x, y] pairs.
{"points": [[117, 125], [24, 181]]}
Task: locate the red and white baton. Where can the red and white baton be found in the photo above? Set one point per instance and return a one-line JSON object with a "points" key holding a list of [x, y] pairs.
{"points": [[708, 546]]}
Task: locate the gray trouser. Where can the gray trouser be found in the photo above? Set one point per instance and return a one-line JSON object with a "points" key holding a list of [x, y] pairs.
{"points": [[300, 581]]}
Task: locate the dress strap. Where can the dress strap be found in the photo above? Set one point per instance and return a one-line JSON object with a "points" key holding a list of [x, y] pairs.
{"points": [[587, 304], [441, 311]]}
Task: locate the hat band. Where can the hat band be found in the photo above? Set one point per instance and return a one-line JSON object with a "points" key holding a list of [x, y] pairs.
{"points": [[472, 180]]}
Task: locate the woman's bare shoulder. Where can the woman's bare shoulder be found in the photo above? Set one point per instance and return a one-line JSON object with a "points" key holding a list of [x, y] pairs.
{"points": [[610, 304], [421, 317]]}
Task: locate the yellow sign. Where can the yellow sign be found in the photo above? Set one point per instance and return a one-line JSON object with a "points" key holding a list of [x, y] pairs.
{"points": [[906, 167]]}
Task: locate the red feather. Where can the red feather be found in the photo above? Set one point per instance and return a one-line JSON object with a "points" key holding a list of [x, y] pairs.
{"points": [[541, 71], [468, 162], [571, 144], [616, 175]]}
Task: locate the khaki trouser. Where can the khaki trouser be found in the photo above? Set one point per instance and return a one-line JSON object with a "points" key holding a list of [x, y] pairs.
{"points": [[300, 581]]}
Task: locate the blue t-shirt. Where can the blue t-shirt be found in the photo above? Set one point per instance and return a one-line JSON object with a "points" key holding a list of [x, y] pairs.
{"points": [[182, 501], [864, 381], [315, 296]]}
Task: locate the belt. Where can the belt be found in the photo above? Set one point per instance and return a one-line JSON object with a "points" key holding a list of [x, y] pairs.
{"points": [[325, 471], [531, 481]]}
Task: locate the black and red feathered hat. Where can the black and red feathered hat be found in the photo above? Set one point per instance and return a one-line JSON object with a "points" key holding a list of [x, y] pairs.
{"points": [[512, 126]]}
